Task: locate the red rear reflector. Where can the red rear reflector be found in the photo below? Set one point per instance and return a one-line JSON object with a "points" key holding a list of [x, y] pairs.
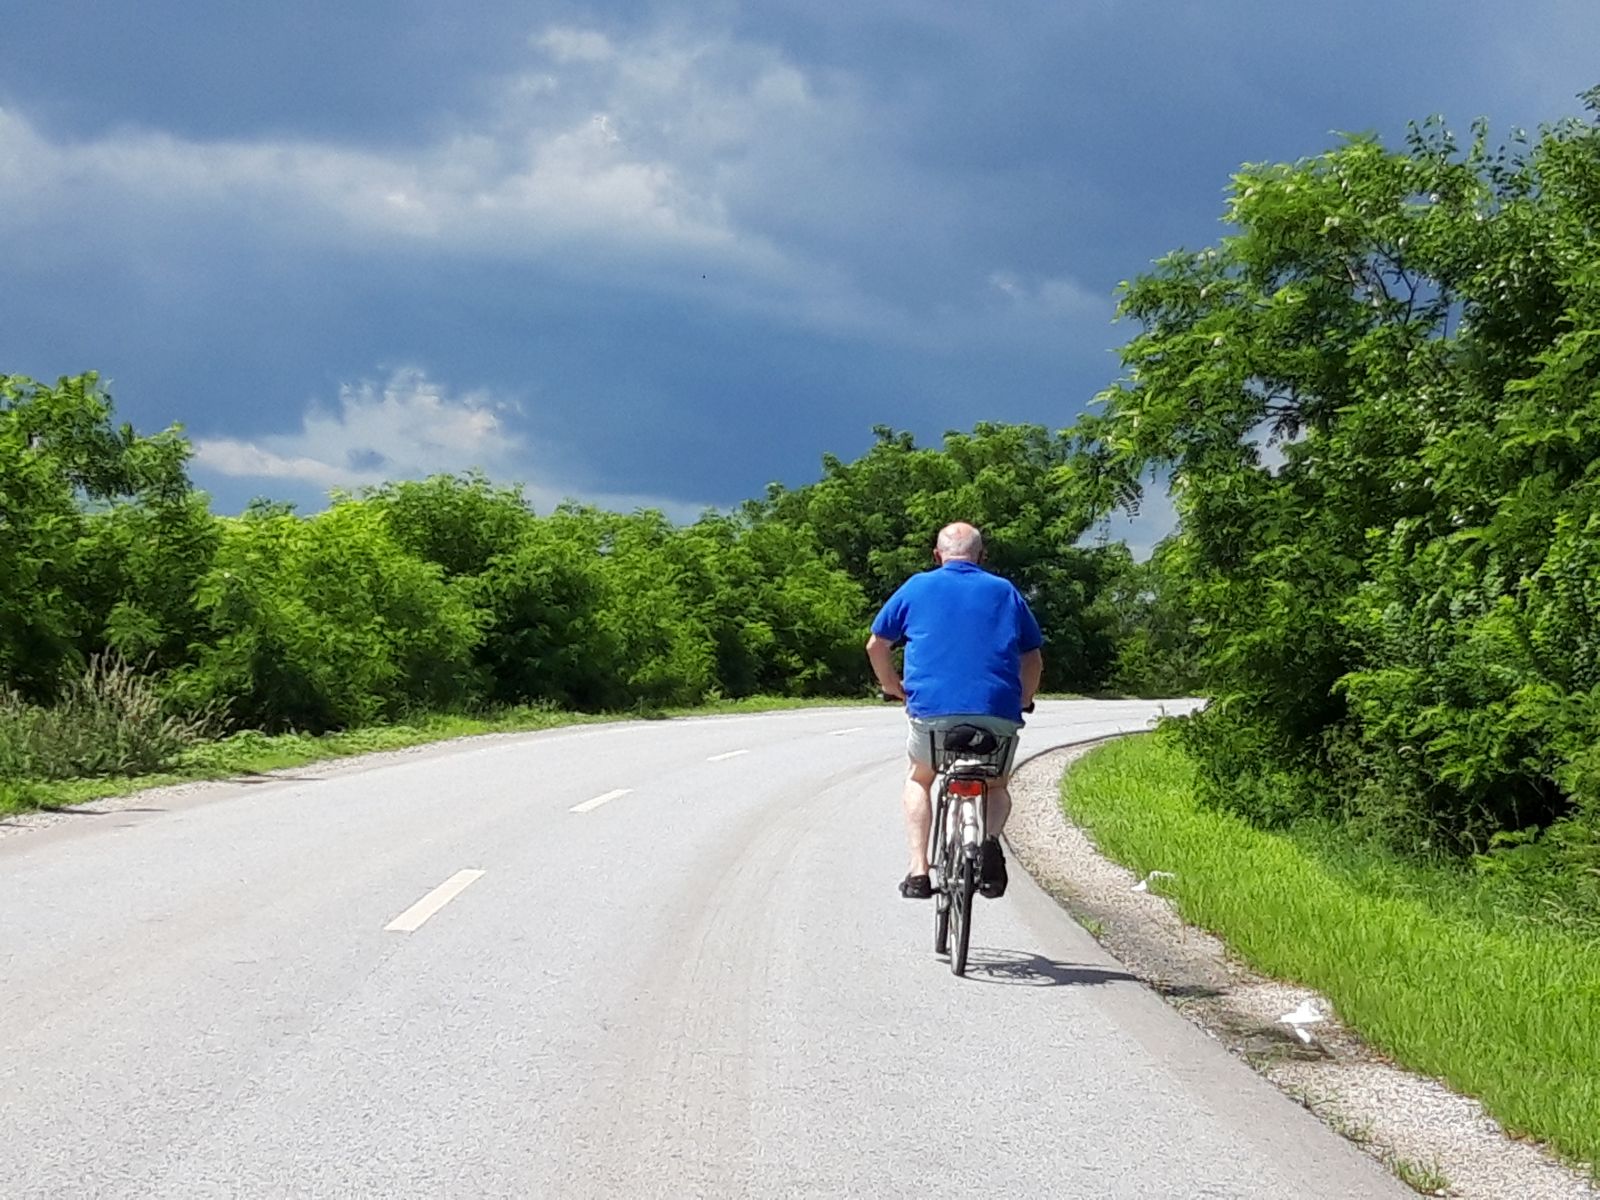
{"points": [[967, 787]]}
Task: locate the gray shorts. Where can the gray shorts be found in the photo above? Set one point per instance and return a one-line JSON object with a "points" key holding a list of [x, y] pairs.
{"points": [[920, 751]]}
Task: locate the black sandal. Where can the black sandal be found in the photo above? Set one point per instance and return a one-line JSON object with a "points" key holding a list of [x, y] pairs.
{"points": [[992, 870], [916, 887]]}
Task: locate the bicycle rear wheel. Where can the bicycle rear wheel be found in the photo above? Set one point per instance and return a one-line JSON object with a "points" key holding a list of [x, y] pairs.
{"points": [[939, 854], [963, 883]]}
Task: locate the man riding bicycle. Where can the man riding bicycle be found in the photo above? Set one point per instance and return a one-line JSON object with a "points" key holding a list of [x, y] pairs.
{"points": [[972, 658]]}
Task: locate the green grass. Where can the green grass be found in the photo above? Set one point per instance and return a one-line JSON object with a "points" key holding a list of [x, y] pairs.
{"points": [[1503, 1009], [251, 752], [1492, 899], [1426, 1178]]}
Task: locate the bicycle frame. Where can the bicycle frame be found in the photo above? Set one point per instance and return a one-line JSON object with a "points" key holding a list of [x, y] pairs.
{"points": [[961, 802], [960, 821], [959, 827]]}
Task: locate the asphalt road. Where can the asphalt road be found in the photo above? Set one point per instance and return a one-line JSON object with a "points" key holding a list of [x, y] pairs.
{"points": [[700, 983]]}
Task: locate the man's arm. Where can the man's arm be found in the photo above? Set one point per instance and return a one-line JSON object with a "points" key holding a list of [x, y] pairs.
{"points": [[880, 653], [1032, 672]]}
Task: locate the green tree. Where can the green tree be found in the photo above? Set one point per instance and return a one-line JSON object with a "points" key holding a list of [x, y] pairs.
{"points": [[1149, 618], [781, 620], [141, 566], [1377, 399], [543, 600], [878, 515], [61, 455], [326, 622], [460, 522]]}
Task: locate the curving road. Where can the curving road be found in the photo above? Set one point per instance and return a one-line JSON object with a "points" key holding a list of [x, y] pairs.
{"points": [[642, 959]]}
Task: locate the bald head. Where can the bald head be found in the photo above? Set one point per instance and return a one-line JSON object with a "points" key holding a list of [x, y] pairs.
{"points": [[960, 542]]}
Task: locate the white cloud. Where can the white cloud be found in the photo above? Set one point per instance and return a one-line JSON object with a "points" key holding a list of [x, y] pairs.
{"points": [[621, 146], [239, 459], [407, 428], [638, 145], [698, 165], [522, 192], [574, 45], [1060, 297]]}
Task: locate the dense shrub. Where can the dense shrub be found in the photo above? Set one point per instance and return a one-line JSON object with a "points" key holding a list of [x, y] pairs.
{"points": [[461, 522], [545, 636], [141, 565], [326, 622]]}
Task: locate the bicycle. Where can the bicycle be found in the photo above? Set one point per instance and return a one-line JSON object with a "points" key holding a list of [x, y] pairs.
{"points": [[965, 758]]}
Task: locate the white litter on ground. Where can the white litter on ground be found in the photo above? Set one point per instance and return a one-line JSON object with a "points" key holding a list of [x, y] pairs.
{"points": [[1144, 884]]}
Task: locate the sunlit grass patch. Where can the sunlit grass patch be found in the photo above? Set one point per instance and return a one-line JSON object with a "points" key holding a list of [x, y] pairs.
{"points": [[1504, 1009]]}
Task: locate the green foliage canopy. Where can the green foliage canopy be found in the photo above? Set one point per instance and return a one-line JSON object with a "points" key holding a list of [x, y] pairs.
{"points": [[877, 518], [61, 461], [1379, 401]]}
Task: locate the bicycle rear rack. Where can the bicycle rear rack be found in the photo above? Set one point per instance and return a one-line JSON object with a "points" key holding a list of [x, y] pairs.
{"points": [[952, 763]]}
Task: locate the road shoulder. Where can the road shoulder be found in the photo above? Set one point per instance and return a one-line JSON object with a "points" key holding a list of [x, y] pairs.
{"points": [[1437, 1141]]}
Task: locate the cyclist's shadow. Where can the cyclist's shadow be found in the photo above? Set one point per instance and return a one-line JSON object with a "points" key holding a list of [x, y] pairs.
{"points": [[1034, 970]]}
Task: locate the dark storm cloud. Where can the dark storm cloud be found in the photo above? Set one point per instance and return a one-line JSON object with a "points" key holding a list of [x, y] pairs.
{"points": [[657, 252]]}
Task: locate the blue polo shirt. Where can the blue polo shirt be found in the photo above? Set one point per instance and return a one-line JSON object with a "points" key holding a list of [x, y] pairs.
{"points": [[965, 632]]}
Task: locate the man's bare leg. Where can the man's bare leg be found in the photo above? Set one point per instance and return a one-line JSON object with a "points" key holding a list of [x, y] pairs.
{"points": [[999, 806], [992, 873], [919, 814]]}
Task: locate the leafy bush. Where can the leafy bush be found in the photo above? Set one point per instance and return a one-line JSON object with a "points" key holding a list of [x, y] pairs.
{"points": [[141, 566], [665, 653], [544, 636], [325, 623], [461, 522]]}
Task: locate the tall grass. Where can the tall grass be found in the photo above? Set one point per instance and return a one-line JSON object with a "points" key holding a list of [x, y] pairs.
{"points": [[108, 721], [1506, 1010]]}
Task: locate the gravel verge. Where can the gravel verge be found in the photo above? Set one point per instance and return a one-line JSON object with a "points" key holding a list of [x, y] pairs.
{"points": [[1437, 1141]]}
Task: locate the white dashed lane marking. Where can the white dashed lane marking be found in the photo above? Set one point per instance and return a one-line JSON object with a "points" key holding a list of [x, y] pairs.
{"points": [[589, 805], [729, 754], [411, 920]]}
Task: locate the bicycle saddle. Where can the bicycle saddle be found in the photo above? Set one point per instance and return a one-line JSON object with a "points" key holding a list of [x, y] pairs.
{"points": [[971, 739]]}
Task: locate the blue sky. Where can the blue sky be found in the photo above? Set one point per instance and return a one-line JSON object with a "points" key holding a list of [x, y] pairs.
{"points": [[658, 253]]}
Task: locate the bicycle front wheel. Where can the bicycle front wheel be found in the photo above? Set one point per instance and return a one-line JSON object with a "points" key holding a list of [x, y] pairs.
{"points": [[963, 882]]}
